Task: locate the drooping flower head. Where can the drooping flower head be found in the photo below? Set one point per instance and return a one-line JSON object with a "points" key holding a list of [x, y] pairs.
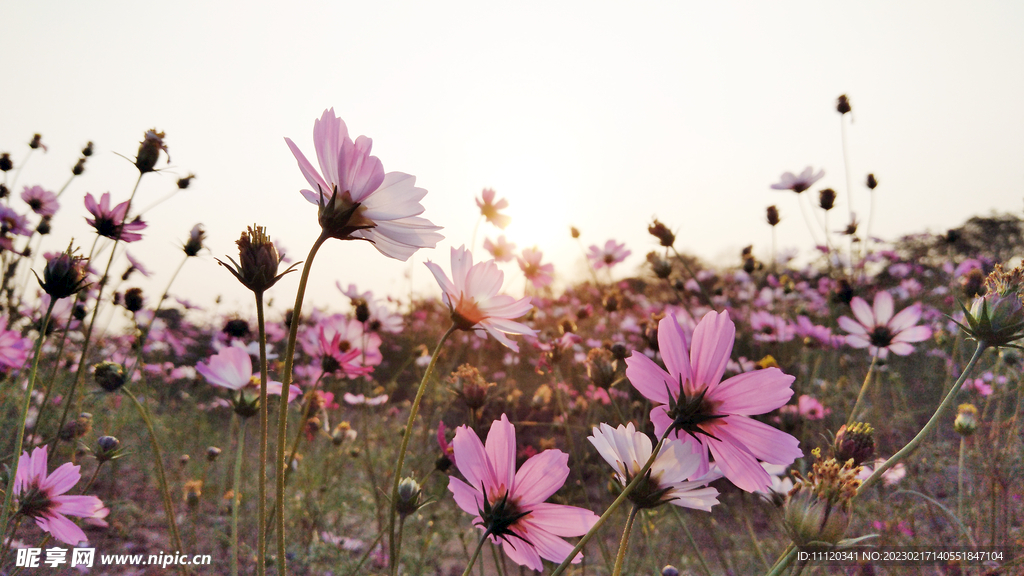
{"points": [[696, 406], [878, 330], [540, 275], [41, 201], [489, 208], [43, 498], [511, 505], [798, 184], [110, 222], [357, 200], [627, 450], [612, 253], [472, 296]]}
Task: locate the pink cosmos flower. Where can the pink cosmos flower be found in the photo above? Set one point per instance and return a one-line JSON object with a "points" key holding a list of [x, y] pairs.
{"points": [[501, 250], [627, 450], [447, 450], [110, 222], [511, 505], [540, 275], [798, 183], [489, 208], [612, 253], [473, 298], [358, 399], [41, 201], [696, 406], [876, 329], [14, 349], [42, 497], [343, 334], [231, 368], [357, 199], [334, 359], [11, 223]]}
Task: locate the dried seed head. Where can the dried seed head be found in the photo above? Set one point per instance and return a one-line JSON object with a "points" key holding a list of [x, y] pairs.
{"points": [[662, 233]]}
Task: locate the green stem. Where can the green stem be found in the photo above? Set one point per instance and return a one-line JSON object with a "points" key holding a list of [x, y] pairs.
{"points": [[624, 543], [261, 528], [940, 412], [960, 479], [784, 561], [863, 390], [693, 543], [236, 498], [611, 509], [161, 477], [413, 410], [9, 491], [703, 294], [366, 554], [476, 553], [286, 381], [756, 542]]}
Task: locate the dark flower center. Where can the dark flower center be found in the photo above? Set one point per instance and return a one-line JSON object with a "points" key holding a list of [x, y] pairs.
{"points": [[34, 503], [881, 336], [499, 517], [688, 414]]}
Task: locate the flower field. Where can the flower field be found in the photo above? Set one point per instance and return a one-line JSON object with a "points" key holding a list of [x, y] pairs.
{"points": [[771, 415]]}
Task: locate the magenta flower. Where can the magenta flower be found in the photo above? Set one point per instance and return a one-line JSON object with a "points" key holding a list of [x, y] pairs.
{"points": [[42, 202], [334, 359], [612, 253], [540, 275], [798, 183], [876, 329], [357, 200], [472, 296], [14, 349], [501, 250], [509, 505], [11, 223], [696, 406], [110, 222], [42, 497], [231, 368], [489, 208]]}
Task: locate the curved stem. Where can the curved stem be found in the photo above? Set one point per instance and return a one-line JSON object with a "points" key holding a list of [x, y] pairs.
{"points": [[940, 412], [261, 528], [286, 381], [476, 553], [13, 474], [693, 542], [784, 561], [413, 410], [624, 543], [236, 498], [611, 509], [863, 390]]}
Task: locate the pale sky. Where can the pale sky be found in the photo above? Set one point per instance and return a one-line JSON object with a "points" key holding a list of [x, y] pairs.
{"points": [[580, 113]]}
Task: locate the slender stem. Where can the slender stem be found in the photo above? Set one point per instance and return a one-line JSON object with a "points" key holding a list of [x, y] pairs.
{"points": [[784, 561], [703, 293], [413, 410], [960, 479], [863, 390], [476, 553], [369, 550], [261, 545], [693, 543], [940, 412], [611, 509], [236, 498], [286, 381], [9, 491], [846, 166], [624, 543], [161, 477], [756, 542]]}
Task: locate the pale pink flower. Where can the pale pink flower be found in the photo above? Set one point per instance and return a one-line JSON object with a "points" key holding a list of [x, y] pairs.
{"points": [[231, 368], [473, 298], [334, 359], [627, 450], [696, 406], [42, 497], [878, 330], [489, 208], [798, 183], [40, 200], [540, 275], [511, 504], [358, 399], [14, 349], [110, 222], [612, 253], [501, 250], [357, 199]]}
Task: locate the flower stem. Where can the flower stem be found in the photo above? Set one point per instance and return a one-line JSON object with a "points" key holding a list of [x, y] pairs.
{"points": [[611, 509], [413, 410], [261, 528], [624, 543], [236, 500], [286, 381], [476, 553], [693, 543], [13, 474], [161, 477], [960, 480], [940, 412], [863, 390], [784, 561]]}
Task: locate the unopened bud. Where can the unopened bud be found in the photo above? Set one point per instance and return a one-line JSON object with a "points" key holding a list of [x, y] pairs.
{"points": [[195, 241], [6, 164], [854, 442], [662, 233], [827, 199], [107, 448], [574, 232], [212, 453], [193, 491], [77, 428], [966, 420], [133, 300], [257, 262], [843, 104], [183, 183], [109, 375], [601, 367], [670, 570], [64, 275], [773, 215], [872, 182], [408, 497], [184, 460], [79, 167], [87, 151], [149, 151]]}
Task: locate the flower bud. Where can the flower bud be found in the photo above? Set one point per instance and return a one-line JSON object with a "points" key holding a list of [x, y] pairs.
{"points": [[872, 182], [773, 215], [257, 262], [36, 142], [362, 310], [408, 497], [77, 428], [827, 199], [669, 570], [133, 300], [843, 104], [87, 151], [662, 268], [184, 183], [4, 191], [471, 386], [193, 491], [64, 275], [574, 232], [662, 233], [149, 151], [236, 328], [195, 241], [966, 420], [6, 164], [109, 375], [107, 448], [809, 518], [79, 167], [212, 453], [601, 367], [854, 442], [184, 460], [997, 318]]}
